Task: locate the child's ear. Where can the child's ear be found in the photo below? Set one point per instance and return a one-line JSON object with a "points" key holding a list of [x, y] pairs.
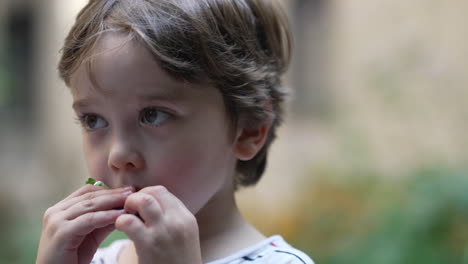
{"points": [[250, 140]]}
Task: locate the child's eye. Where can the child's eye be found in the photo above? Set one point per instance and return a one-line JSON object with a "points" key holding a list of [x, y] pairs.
{"points": [[153, 116], [92, 121]]}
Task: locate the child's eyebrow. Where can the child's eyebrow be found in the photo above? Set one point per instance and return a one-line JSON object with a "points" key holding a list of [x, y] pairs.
{"points": [[170, 96], [167, 95], [81, 103]]}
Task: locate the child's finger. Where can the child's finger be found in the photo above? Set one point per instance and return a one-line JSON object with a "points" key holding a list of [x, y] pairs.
{"points": [[132, 226], [168, 202], [96, 191], [72, 199], [145, 204], [91, 203], [82, 190], [87, 223]]}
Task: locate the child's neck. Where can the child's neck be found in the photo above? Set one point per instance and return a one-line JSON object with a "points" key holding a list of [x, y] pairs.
{"points": [[223, 230]]}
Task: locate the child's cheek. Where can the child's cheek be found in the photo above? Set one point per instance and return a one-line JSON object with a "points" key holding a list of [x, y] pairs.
{"points": [[96, 161], [97, 171], [190, 176]]}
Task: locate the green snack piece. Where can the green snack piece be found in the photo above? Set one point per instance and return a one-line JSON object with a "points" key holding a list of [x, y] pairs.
{"points": [[90, 181], [98, 183]]}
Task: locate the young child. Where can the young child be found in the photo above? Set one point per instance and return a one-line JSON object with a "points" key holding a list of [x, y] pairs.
{"points": [[179, 101]]}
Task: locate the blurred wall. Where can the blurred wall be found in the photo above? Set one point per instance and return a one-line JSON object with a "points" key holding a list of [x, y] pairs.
{"points": [[399, 74], [40, 142]]}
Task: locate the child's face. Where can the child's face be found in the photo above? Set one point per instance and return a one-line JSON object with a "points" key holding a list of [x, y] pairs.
{"points": [[143, 128]]}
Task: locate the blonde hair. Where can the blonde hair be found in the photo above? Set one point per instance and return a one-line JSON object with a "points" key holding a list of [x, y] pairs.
{"points": [[241, 47]]}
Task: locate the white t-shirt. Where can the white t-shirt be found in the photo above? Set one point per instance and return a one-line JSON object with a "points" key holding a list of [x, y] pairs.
{"points": [[273, 250]]}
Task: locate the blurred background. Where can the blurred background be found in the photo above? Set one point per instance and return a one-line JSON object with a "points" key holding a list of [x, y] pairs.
{"points": [[370, 166]]}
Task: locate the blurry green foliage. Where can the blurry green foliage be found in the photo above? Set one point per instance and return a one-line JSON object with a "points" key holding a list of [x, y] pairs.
{"points": [[20, 235], [421, 218], [116, 235]]}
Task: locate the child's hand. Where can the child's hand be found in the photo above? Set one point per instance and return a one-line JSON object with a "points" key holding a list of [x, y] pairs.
{"points": [[73, 228], [167, 231]]}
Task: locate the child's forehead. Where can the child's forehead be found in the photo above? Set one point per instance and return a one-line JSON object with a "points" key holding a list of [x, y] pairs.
{"points": [[114, 51], [111, 41], [116, 58]]}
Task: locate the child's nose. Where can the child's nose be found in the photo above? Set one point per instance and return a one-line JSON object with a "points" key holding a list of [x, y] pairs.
{"points": [[124, 158]]}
